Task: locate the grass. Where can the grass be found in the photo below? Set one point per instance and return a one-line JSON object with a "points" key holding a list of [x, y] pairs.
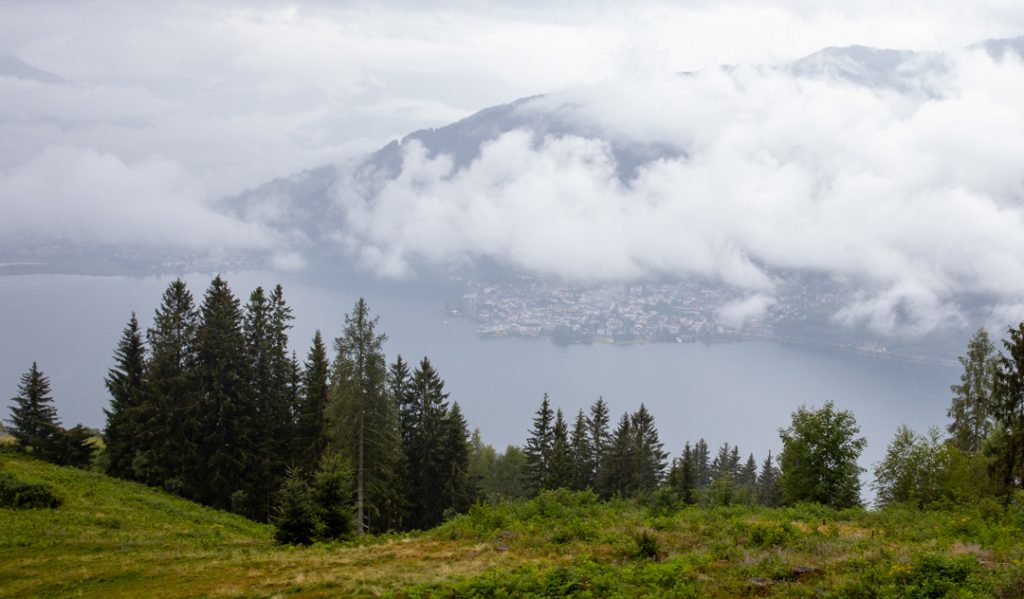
{"points": [[111, 538]]}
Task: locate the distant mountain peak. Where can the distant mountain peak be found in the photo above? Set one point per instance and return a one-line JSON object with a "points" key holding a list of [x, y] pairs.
{"points": [[12, 66]]}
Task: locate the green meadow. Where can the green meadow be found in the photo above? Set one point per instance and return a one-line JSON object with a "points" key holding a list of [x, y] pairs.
{"points": [[111, 538]]}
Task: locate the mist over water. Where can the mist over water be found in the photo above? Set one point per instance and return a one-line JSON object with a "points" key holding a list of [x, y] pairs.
{"points": [[740, 393]]}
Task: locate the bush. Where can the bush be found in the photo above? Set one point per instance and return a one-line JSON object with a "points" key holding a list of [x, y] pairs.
{"points": [[321, 511], [17, 495], [646, 545]]}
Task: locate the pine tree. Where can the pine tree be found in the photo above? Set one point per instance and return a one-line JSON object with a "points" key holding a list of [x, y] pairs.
{"points": [[971, 409], [539, 444], [33, 420], [560, 467], [167, 414], [364, 420], [311, 425], [126, 384], [582, 454], [220, 473]]}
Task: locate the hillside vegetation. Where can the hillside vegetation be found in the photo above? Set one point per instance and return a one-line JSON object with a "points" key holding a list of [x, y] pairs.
{"points": [[112, 538]]}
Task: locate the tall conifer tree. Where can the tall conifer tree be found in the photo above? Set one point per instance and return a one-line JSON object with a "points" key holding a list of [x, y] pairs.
{"points": [[560, 467], [971, 408], [311, 433], [599, 422], [539, 444], [126, 384], [582, 453], [33, 420], [649, 458], [221, 473], [364, 420], [167, 441]]}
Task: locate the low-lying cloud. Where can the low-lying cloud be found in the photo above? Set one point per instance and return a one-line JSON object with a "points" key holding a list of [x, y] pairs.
{"points": [[913, 198]]}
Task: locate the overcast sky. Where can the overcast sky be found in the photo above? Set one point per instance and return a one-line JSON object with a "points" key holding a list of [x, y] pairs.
{"points": [[227, 95], [123, 121]]}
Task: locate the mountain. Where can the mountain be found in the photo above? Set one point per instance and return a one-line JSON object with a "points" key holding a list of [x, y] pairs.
{"points": [[12, 66], [303, 207]]}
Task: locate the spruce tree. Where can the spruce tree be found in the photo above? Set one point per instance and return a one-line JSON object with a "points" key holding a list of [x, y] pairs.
{"points": [[429, 467], [33, 420], [221, 472], [296, 516], [768, 492], [649, 458], [746, 481], [582, 453], [266, 325], [1008, 409], [311, 426], [126, 384], [167, 433], [702, 464], [683, 476], [615, 477], [599, 422], [560, 469], [284, 383], [539, 444], [459, 486], [399, 384], [971, 409], [332, 493], [364, 420]]}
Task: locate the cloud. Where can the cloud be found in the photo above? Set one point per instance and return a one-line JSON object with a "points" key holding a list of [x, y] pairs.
{"points": [[88, 196], [738, 312], [915, 200]]}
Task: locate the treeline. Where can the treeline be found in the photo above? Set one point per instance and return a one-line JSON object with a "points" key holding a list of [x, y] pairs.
{"points": [[820, 452], [210, 403], [982, 455]]}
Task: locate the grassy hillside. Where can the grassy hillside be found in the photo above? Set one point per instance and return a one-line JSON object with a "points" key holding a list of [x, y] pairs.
{"points": [[112, 538]]}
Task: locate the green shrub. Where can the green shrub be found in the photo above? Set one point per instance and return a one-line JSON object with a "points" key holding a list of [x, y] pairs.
{"points": [[768, 535], [17, 495], [646, 545]]}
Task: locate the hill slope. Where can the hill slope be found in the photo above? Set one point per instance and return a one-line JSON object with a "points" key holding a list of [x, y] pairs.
{"points": [[117, 539], [112, 538]]}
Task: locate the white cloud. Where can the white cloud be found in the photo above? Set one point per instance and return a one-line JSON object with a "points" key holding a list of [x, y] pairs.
{"points": [[88, 196], [738, 312], [917, 200]]}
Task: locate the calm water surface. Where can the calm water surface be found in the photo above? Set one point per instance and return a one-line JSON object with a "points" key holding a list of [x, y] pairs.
{"points": [[740, 392]]}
